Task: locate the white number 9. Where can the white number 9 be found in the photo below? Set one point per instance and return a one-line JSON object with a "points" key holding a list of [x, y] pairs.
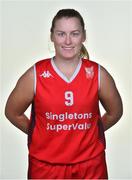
{"points": [[68, 98]]}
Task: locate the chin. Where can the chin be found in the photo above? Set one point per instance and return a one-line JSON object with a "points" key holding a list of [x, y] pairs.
{"points": [[68, 56]]}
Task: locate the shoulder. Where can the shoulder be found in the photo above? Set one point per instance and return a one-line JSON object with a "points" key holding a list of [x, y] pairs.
{"points": [[105, 76], [43, 62], [91, 66], [89, 62], [28, 75], [103, 72], [25, 83], [108, 87]]}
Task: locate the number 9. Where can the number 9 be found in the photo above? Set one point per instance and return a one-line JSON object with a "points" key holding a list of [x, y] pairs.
{"points": [[68, 98]]}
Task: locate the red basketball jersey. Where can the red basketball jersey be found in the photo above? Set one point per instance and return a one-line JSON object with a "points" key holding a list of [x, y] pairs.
{"points": [[65, 121]]}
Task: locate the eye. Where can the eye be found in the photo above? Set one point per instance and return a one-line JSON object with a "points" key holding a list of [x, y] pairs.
{"points": [[75, 34], [61, 34]]}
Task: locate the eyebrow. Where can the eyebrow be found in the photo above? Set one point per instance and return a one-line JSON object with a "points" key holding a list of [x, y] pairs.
{"points": [[71, 31]]}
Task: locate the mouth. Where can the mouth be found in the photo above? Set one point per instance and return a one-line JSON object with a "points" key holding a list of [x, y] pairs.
{"points": [[67, 48]]}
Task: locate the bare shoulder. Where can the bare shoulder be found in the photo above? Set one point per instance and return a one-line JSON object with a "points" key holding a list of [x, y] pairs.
{"points": [[105, 77], [108, 92], [27, 77], [107, 83], [24, 89]]}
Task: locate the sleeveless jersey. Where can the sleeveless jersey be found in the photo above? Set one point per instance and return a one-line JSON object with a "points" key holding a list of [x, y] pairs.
{"points": [[65, 125]]}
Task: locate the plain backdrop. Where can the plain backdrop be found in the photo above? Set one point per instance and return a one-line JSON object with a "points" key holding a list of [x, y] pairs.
{"points": [[25, 40]]}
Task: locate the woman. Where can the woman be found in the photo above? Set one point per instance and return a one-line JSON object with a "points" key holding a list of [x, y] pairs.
{"points": [[66, 131]]}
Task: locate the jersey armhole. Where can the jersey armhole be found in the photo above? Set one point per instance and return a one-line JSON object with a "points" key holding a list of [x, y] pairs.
{"points": [[98, 76], [34, 71]]}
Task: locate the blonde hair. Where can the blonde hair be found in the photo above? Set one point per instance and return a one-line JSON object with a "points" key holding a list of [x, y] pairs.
{"points": [[84, 53]]}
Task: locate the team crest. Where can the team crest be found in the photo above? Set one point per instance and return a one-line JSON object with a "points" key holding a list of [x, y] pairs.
{"points": [[89, 72]]}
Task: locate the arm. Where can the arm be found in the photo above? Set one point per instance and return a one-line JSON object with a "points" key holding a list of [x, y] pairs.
{"points": [[110, 99], [19, 100]]}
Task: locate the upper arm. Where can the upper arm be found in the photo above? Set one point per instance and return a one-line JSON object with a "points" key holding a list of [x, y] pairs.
{"points": [[22, 95], [109, 95]]}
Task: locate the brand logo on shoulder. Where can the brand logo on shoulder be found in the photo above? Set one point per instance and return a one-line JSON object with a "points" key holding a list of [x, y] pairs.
{"points": [[89, 72], [46, 74]]}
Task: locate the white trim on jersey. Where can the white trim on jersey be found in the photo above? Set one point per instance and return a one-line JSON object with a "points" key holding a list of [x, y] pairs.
{"points": [[98, 76], [34, 68], [62, 75]]}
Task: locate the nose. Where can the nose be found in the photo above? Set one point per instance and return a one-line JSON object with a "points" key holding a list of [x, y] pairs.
{"points": [[68, 39]]}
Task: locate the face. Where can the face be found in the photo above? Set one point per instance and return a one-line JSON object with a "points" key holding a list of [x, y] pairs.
{"points": [[68, 37]]}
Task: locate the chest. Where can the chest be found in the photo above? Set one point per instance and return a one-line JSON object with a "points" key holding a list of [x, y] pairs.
{"points": [[55, 93]]}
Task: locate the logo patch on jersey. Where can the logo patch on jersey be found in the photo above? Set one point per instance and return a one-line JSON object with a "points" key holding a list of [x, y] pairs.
{"points": [[46, 74], [89, 72]]}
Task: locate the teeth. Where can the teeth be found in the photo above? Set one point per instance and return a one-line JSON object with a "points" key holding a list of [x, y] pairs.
{"points": [[67, 47]]}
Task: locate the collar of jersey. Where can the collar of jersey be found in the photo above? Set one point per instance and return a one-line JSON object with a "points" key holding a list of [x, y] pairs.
{"points": [[62, 75]]}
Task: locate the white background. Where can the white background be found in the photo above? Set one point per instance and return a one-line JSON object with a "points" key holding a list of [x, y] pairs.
{"points": [[25, 40]]}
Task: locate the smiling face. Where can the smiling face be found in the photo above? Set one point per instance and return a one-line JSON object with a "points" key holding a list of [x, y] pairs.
{"points": [[68, 36]]}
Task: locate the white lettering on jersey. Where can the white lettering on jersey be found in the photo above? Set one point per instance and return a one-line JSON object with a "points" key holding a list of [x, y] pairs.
{"points": [[75, 117], [68, 127], [68, 116], [46, 74]]}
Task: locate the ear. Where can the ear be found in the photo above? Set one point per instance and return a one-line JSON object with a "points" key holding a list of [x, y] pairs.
{"points": [[84, 36], [51, 37]]}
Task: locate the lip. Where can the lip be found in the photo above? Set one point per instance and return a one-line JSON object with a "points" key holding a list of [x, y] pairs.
{"points": [[68, 48]]}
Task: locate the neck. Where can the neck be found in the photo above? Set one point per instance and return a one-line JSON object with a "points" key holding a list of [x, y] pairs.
{"points": [[67, 67], [66, 62]]}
